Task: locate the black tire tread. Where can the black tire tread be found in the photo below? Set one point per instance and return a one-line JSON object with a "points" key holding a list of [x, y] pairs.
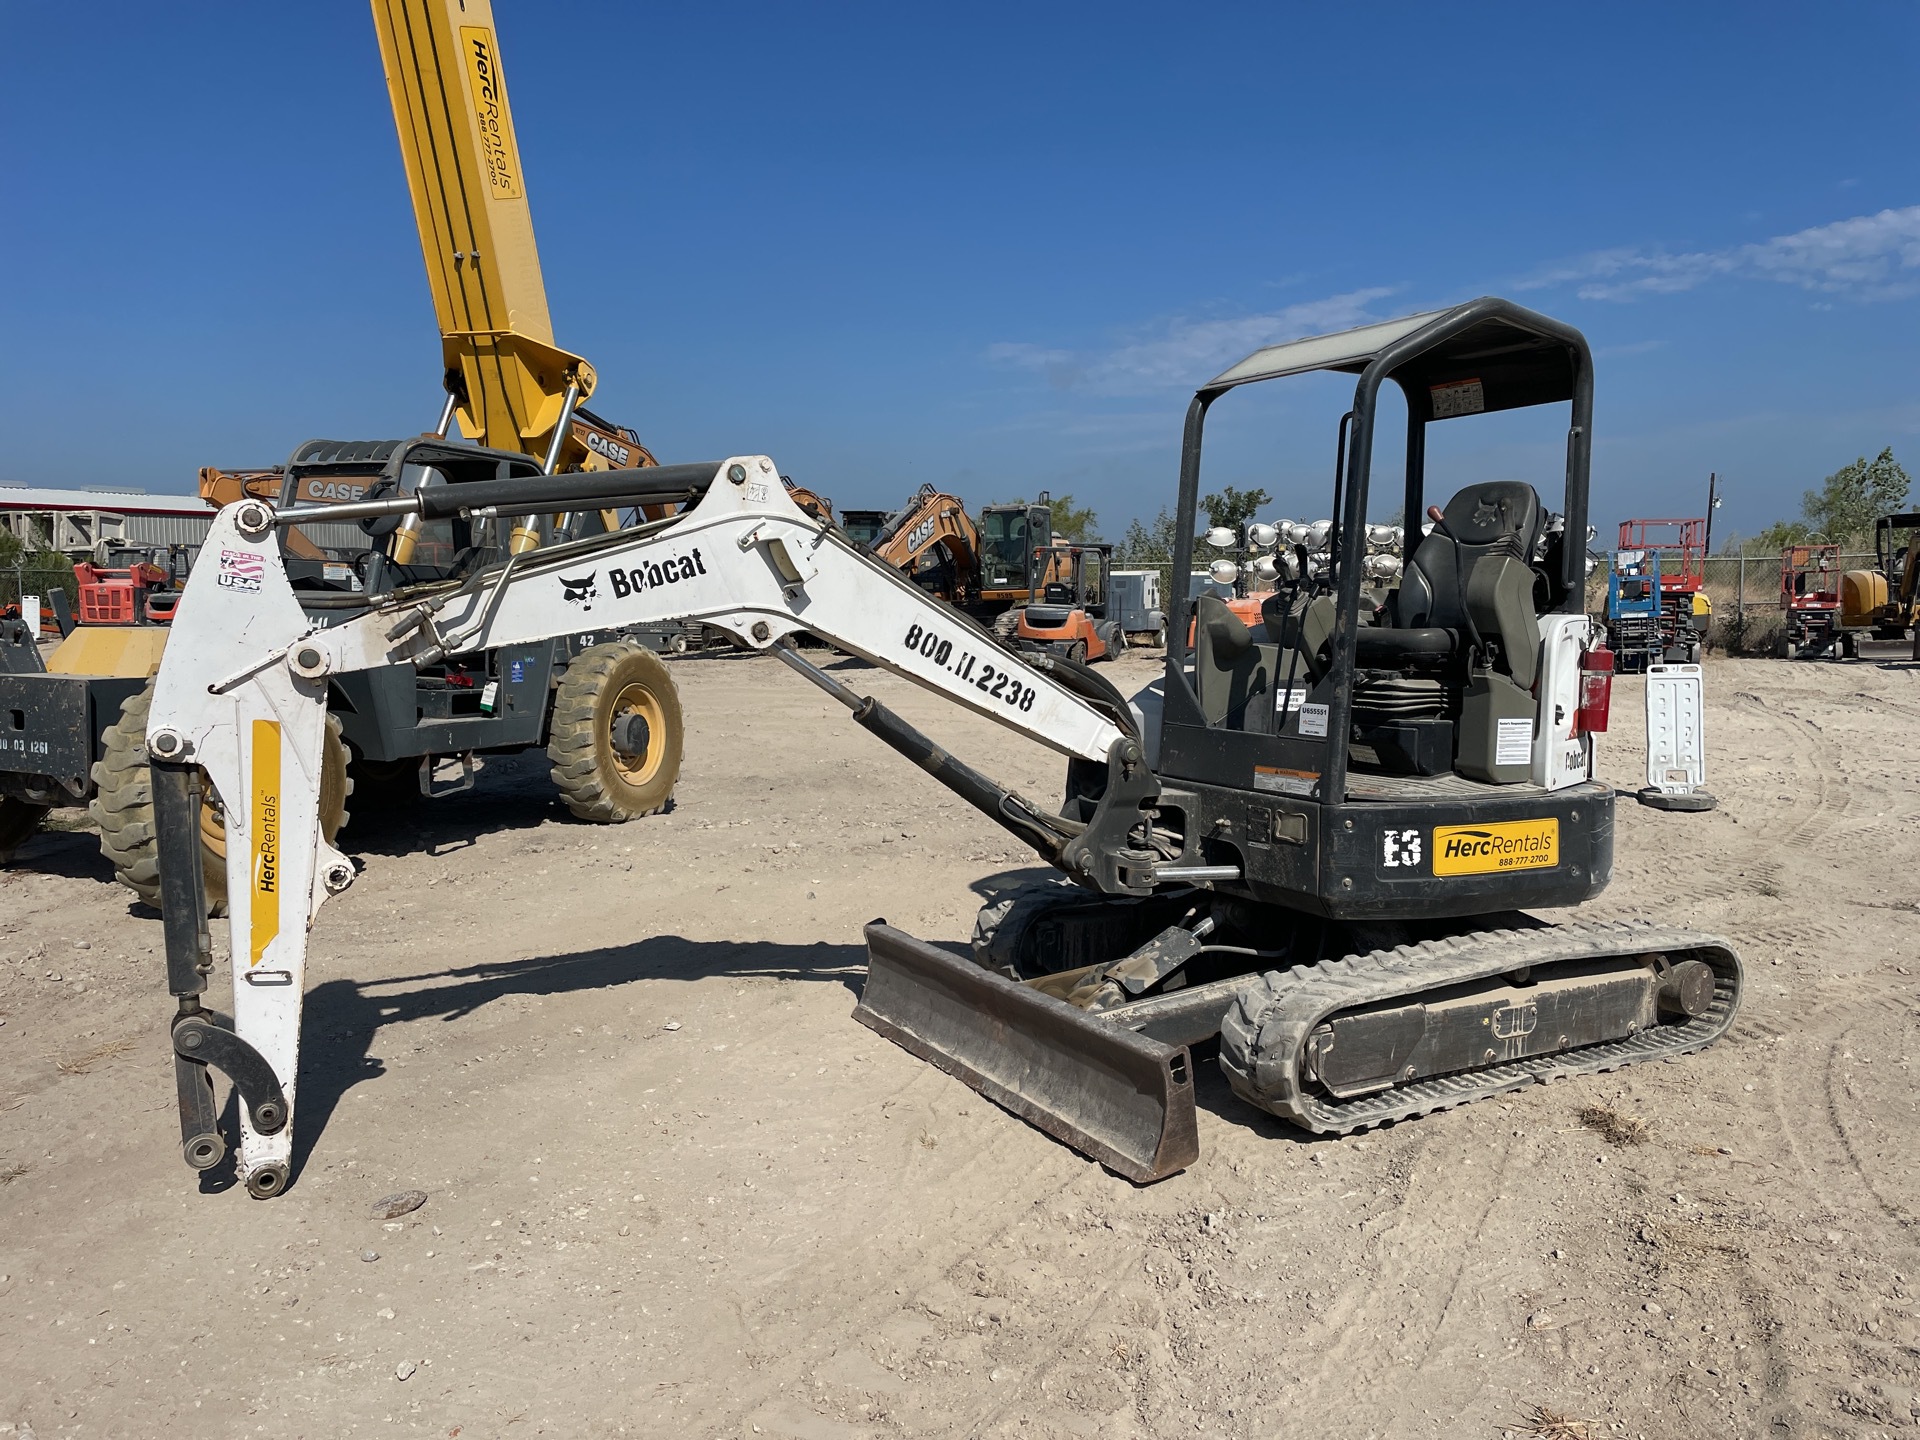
{"points": [[578, 746]]}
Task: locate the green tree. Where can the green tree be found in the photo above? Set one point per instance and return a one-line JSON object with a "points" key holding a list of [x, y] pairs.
{"points": [[31, 571], [1070, 521], [1234, 507], [1848, 501], [1777, 537], [1148, 544]]}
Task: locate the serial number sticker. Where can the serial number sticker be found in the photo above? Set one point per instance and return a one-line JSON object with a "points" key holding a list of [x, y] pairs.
{"points": [[1486, 849], [1313, 720]]}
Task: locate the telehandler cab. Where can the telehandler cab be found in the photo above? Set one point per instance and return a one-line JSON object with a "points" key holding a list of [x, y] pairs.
{"points": [[1317, 839]]}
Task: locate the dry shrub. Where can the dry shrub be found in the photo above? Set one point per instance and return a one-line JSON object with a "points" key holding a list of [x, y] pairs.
{"points": [[80, 1064], [1612, 1126], [1545, 1424]]}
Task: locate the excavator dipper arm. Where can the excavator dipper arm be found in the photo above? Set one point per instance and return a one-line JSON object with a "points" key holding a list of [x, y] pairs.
{"points": [[241, 697]]}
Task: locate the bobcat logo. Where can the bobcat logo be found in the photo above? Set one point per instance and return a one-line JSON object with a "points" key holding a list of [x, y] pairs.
{"points": [[1486, 513], [580, 590]]}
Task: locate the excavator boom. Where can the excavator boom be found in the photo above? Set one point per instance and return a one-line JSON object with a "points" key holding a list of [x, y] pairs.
{"points": [[241, 698], [932, 519]]}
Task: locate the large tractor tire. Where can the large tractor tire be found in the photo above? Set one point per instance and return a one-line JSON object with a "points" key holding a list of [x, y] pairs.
{"points": [[617, 734], [123, 807], [18, 821]]}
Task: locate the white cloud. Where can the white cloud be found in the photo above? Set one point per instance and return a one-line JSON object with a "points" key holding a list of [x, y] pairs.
{"points": [[1182, 353], [1869, 257]]}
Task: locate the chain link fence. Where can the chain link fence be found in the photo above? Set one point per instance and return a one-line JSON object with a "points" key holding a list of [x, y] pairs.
{"points": [[21, 580], [1745, 591]]}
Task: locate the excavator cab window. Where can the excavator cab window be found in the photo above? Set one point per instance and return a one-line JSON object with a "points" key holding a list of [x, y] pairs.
{"points": [[1009, 537], [1008, 551]]}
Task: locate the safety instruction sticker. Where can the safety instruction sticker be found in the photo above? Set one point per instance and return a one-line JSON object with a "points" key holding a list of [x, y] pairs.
{"points": [[1513, 742], [1459, 397], [1485, 849]]}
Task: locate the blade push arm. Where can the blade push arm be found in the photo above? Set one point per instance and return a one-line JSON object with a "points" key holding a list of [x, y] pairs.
{"points": [[242, 693]]}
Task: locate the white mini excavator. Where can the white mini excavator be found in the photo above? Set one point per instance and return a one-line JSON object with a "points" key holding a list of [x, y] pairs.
{"points": [[1315, 842]]}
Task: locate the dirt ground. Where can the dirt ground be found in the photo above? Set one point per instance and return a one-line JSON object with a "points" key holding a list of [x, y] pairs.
{"points": [[676, 1190]]}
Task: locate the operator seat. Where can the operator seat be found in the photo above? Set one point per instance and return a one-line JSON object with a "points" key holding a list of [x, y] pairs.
{"points": [[1231, 667], [1470, 581]]}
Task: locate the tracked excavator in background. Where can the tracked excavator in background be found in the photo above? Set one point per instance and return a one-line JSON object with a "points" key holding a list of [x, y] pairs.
{"points": [[991, 568], [1315, 844]]}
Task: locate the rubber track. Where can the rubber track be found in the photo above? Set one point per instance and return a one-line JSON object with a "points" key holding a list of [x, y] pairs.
{"points": [[1263, 1038]]}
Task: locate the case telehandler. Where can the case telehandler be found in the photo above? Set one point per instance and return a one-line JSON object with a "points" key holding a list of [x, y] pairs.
{"points": [[1317, 843]]}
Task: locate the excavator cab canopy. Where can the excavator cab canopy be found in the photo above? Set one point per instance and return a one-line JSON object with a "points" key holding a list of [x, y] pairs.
{"points": [[1397, 671]]}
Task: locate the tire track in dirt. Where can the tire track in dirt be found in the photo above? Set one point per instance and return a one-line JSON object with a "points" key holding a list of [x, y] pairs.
{"points": [[1810, 1128], [1413, 1285], [1811, 756]]}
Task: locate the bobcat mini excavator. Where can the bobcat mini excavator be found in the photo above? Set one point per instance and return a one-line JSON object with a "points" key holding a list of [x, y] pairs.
{"points": [[1319, 843]]}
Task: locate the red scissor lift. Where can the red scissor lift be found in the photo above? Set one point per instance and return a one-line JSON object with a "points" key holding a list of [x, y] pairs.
{"points": [[1810, 602], [1685, 611]]}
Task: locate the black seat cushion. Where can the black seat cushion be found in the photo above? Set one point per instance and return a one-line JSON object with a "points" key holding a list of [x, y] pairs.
{"points": [[1381, 645]]}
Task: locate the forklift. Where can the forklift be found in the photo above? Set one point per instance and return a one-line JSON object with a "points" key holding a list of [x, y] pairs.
{"points": [[1071, 618]]}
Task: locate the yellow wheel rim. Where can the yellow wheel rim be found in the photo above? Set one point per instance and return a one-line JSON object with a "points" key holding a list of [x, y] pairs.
{"points": [[637, 699]]}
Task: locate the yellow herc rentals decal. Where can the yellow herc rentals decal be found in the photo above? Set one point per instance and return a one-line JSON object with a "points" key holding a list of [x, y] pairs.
{"points": [[1481, 849], [490, 114], [266, 837]]}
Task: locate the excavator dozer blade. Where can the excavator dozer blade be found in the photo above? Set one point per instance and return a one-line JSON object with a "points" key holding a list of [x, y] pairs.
{"points": [[1114, 1095]]}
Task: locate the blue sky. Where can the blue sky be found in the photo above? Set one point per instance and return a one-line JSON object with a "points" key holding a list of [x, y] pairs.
{"points": [[992, 246]]}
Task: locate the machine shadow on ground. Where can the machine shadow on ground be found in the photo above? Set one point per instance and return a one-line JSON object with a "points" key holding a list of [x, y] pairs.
{"points": [[510, 793], [72, 854], [343, 1017]]}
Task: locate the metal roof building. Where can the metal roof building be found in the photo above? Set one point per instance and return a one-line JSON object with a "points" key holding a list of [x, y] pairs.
{"points": [[74, 521]]}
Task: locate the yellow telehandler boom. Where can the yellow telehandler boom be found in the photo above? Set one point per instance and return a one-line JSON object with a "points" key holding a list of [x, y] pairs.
{"points": [[513, 388]]}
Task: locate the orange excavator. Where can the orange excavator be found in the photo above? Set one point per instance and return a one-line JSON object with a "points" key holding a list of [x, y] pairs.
{"points": [[987, 568], [933, 540]]}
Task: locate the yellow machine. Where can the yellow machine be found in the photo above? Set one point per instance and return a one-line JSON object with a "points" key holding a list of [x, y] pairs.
{"points": [[512, 387], [1886, 599]]}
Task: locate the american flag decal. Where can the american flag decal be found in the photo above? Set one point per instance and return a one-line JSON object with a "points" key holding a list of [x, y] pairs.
{"points": [[242, 569]]}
